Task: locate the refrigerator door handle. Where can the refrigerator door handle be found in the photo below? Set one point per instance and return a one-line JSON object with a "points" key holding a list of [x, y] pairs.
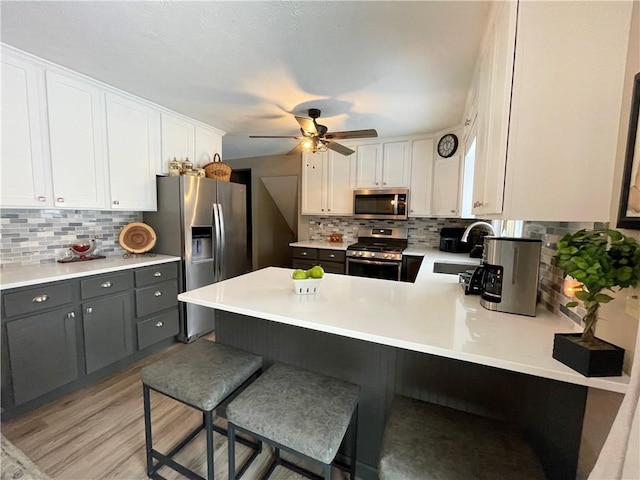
{"points": [[216, 244], [222, 242]]}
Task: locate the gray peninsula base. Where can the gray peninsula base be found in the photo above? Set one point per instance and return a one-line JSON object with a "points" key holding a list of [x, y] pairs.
{"points": [[550, 412]]}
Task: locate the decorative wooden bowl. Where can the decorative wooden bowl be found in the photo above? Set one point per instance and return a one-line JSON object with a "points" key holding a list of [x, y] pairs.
{"points": [[137, 237]]}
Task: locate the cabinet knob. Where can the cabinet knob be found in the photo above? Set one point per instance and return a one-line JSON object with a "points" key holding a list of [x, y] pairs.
{"points": [[332, 256], [411, 210], [467, 122], [60, 199], [40, 299], [157, 274], [71, 315], [328, 209], [384, 183], [377, 183], [106, 285], [158, 293], [453, 211], [89, 310], [478, 204], [159, 324], [322, 209], [304, 254], [116, 202], [42, 199]]}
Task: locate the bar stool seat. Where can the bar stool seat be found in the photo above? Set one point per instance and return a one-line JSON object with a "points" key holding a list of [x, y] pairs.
{"points": [[426, 441], [202, 375], [299, 411]]}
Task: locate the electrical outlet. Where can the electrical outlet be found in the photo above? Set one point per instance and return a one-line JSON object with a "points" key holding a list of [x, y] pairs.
{"points": [[632, 307]]}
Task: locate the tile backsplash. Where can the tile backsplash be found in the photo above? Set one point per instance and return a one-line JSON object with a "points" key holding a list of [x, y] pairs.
{"points": [[423, 232], [32, 237]]}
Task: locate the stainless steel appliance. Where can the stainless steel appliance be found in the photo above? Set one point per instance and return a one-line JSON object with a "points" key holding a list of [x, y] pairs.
{"points": [[203, 221], [510, 274], [384, 204], [378, 253]]}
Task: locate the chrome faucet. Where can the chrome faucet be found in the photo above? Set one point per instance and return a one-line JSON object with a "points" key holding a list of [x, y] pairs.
{"points": [[486, 225]]}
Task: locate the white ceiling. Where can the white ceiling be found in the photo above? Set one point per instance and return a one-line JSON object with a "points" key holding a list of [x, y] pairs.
{"points": [[248, 67]]}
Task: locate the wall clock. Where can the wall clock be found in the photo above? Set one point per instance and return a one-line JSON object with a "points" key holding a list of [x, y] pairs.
{"points": [[447, 145]]}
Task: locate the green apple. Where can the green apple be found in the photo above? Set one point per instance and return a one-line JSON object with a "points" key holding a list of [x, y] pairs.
{"points": [[299, 275], [317, 272]]}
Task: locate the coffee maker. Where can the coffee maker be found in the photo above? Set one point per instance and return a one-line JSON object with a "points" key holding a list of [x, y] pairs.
{"points": [[510, 276]]}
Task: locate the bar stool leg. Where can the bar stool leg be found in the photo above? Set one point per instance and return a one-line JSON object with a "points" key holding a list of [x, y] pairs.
{"points": [[354, 438], [231, 450], [327, 471], [147, 428], [208, 421]]}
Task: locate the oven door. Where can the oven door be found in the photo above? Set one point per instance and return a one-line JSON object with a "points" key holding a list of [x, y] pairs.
{"points": [[388, 270]]}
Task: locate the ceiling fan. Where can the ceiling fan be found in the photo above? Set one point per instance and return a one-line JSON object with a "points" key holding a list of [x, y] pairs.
{"points": [[316, 138]]}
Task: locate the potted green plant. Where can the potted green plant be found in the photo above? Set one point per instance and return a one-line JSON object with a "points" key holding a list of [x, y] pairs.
{"points": [[600, 260]]}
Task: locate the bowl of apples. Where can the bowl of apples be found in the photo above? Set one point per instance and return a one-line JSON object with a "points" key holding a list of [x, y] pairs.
{"points": [[306, 282]]}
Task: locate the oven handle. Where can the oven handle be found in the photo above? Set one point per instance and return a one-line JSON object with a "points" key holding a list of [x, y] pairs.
{"points": [[374, 262]]}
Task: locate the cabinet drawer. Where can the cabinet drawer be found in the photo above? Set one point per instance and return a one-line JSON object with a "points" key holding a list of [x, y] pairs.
{"points": [[157, 273], [105, 285], [155, 298], [158, 328], [306, 253], [331, 255], [333, 267], [37, 299]]}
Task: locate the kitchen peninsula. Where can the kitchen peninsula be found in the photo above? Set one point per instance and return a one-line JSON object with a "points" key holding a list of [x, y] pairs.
{"points": [[426, 340]]}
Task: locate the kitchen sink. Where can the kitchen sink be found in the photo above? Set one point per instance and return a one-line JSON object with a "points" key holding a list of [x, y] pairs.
{"points": [[453, 268]]}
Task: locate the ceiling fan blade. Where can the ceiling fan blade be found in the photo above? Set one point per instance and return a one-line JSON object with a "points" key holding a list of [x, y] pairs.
{"points": [[353, 134], [336, 147], [308, 125], [273, 136]]}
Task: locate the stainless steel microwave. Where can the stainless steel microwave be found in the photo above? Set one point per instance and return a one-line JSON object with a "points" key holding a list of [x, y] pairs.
{"points": [[384, 203]]}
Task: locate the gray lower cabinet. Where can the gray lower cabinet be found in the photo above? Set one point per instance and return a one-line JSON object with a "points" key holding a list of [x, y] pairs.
{"points": [[106, 324], [42, 352], [332, 261], [59, 336]]}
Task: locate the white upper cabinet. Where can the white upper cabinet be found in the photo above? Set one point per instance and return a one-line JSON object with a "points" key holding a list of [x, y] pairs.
{"points": [[327, 183], [420, 190], [208, 142], [446, 187], [178, 140], [134, 147], [549, 104], [26, 173], [77, 140], [383, 165]]}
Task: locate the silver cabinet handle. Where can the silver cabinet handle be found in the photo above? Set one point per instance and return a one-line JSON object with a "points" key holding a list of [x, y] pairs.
{"points": [[159, 324], [467, 122], [71, 315], [304, 254], [60, 200], [332, 256], [158, 294], [106, 285], [42, 199], [116, 202], [40, 299], [453, 211], [157, 274], [89, 310]]}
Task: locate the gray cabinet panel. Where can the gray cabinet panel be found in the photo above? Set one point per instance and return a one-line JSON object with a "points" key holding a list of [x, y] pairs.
{"points": [[157, 273], [331, 255], [107, 331], [105, 285], [156, 298], [42, 352], [158, 328], [306, 253], [37, 299]]}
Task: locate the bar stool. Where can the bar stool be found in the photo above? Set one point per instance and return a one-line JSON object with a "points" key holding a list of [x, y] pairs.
{"points": [[423, 440], [300, 412], [202, 375]]}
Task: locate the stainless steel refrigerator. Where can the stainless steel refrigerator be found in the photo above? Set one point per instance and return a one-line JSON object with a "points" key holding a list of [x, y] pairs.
{"points": [[203, 221]]}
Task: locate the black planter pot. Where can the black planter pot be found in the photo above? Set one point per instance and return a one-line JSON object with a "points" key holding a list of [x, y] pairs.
{"points": [[589, 361]]}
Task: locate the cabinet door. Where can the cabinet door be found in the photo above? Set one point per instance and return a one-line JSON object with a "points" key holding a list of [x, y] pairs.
{"points": [[134, 146], [107, 331], [208, 143], [26, 173], [340, 183], [42, 352], [313, 190], [446, 186], [368, 166], [77, 139], [396, 163], [178, 138], [420, 190]]}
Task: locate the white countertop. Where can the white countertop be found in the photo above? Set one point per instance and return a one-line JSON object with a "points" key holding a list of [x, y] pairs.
{"points": [[51, 272], [431, 316]]}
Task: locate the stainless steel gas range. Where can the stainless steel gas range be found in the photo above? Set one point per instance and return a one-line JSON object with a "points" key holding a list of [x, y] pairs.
{"points": [[378, 253]]}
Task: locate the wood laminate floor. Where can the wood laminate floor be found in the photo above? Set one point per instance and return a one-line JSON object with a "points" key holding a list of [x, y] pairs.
{"points": [[98, 433]]}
